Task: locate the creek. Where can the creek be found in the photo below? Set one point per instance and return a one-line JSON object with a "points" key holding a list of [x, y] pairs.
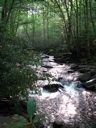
{"points": [[68, 106]]}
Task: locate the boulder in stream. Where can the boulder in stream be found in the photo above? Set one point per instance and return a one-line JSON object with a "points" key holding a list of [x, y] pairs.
{"points": [[84, 77], [90, 85], [53, 87], [74, 66], [48, 66]]}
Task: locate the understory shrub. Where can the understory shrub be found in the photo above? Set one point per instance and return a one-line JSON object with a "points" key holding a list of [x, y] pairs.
{"points": [[15, 74]]}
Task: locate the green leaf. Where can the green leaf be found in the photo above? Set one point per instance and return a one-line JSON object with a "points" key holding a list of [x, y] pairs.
{"points": [[39, 118], [31, 107]]}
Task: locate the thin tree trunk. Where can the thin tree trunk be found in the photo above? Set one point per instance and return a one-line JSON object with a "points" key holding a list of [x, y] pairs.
{"points": [[6, 11], [93, 24], [47, 26], [87, 27], [43, 26]]}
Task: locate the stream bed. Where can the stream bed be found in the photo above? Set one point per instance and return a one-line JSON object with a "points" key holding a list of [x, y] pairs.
{"points": [[70, 106]]}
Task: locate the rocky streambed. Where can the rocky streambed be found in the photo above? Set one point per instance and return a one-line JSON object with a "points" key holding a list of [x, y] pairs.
{"points": [[67, 99]]}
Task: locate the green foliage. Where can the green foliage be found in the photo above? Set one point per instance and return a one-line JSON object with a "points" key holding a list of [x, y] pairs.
{"points": [[34, 119], [17, 122], [15, 74], [20, 122], [50, 23], [31, 107]]}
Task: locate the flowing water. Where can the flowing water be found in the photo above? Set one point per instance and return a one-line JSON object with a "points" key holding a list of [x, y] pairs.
{"points": [[70, 104]]}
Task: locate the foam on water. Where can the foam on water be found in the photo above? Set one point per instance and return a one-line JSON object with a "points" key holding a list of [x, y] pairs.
{"points": [[71, 89], [46, 94]]}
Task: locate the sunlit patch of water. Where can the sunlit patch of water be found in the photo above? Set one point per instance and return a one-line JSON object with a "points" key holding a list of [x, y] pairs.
{"points": [[59, 106], [48, 95], [67, 107], [50, 63]]}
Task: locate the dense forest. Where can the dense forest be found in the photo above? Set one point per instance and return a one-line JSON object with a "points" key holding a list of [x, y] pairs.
{"points": [[45, 24], [63, 28]]}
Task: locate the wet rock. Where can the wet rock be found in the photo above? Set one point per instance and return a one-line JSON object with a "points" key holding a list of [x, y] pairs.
{"points": [[45, 56], [84, 70], [74, 66], [70, 71], [84, 77], [94, 76], [91, 84], [52, 87], [87, 68], [93, 72], [59, 60], [47, 66]]}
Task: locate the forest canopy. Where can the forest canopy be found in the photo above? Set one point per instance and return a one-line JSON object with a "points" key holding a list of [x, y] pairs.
{"points": [[45, 23]]}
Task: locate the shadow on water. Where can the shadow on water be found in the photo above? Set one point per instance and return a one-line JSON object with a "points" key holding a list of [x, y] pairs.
{"points": [[71, 105]]}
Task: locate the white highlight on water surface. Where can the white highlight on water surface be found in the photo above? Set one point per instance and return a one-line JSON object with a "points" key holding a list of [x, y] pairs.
{"points": [[49, 95], [71, 89]]}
